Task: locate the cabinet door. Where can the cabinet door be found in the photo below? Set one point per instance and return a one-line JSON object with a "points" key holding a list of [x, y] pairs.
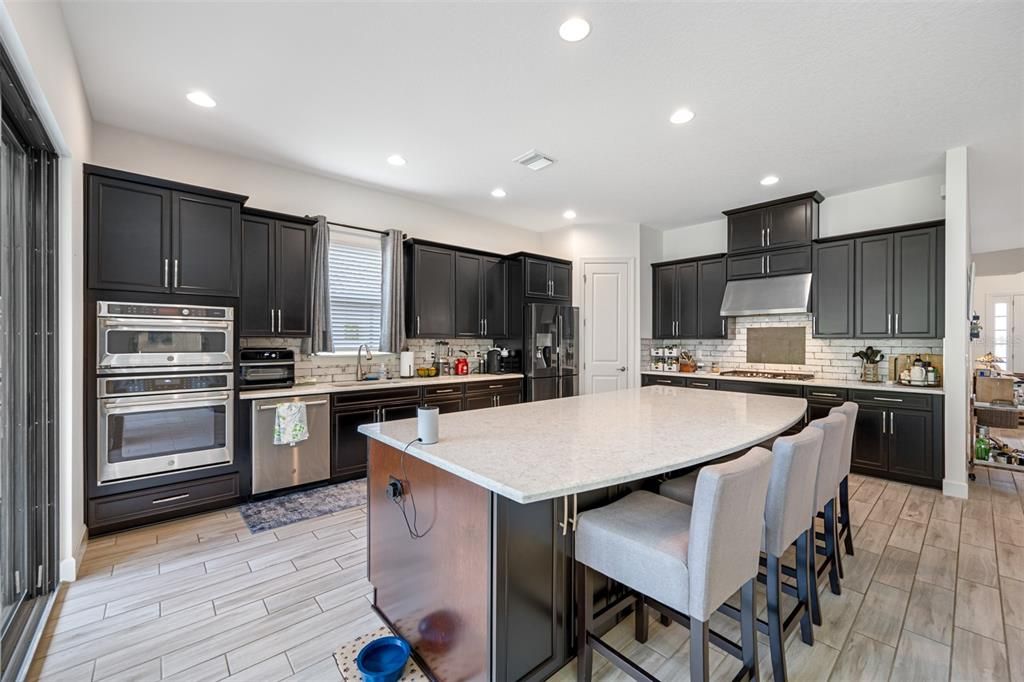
{"points": [[294, 275], [687, 301], [711, 287], [873, 287], [508, 398], [256, 316], [434, 293], [915, 284], [538, 278], [479, 401], [664, 296], [206, 245], [832, 297], [788, 262], [445, 405], [495, 298], [871, 439], [129, 235], [348, 446], [561, 281], [910, 444], [789, 224], [746, 267], [390, 413], [469, 318], [747, 231], [818, 409]]}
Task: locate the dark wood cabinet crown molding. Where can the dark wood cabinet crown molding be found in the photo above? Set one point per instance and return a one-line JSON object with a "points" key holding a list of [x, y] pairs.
{"points": [[127, 176], [818, 197]]}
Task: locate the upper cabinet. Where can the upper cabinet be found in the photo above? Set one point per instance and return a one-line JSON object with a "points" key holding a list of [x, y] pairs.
{"points": [[687, 299], [792, 221], [277, 257], [711, 289], [430, 291], [151, 235], [481, 292], [547, 279], [832, 289]]}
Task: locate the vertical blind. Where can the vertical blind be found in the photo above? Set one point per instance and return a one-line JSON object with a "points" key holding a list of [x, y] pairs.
{"points": [[354, 280]]}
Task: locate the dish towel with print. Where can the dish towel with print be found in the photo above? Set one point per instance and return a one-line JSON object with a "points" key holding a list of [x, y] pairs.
{"points": [[290, 425]]}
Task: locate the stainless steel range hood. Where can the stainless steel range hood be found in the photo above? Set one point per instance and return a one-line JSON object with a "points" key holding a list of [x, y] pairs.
{"points": [[767, 296]]}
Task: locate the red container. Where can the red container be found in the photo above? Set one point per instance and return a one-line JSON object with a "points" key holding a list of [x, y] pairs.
{"points": [[462, 366]]}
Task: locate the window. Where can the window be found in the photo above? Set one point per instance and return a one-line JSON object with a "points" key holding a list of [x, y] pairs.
{"points": [[354, 263], [1001, 332]]}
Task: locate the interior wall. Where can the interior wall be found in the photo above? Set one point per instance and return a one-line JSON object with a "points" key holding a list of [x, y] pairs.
{"points": [[35, 36], [956, 344], [287, 190]]}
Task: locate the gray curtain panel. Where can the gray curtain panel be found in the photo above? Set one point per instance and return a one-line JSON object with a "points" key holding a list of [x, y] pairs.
{"points": [[320, 340], [392, 319]]}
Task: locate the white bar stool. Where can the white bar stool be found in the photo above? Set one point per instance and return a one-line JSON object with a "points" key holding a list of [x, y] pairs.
{"points": [[849, 410]]}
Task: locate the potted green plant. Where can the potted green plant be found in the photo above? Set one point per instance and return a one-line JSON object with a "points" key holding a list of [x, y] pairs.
{"points": [[870, 357]]}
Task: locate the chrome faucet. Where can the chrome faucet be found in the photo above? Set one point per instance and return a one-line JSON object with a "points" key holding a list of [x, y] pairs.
{"points": [[359, 361]]}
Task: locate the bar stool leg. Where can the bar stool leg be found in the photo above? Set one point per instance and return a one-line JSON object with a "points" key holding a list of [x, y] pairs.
{"points": [[804, 586], [844, 513], [665, 620], [813, 561], [776, 635], [831, 550], [640, 620], [584, 616], [698, 651]]}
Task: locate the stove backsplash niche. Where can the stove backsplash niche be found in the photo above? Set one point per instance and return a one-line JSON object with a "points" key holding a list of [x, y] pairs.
{"points": [[825, 358]]}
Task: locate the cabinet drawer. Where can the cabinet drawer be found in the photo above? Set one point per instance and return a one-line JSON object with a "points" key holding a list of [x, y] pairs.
{"points": [[445, 390], [788, 261], [825, 393], [491, 386], [379, 396], [785, 390], [154, 504], [745, 267], [709, 384], [910, 401], [655, 380]]}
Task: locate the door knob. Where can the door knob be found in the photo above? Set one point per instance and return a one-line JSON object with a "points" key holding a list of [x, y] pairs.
{"points": [[622, 369]]}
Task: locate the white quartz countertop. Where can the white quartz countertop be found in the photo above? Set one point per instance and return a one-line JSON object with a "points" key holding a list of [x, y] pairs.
{"points": [[350, 386], [543, 450], [835, 383]]}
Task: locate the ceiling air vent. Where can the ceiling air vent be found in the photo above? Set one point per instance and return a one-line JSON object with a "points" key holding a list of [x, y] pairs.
{"points": [[534, 160]]}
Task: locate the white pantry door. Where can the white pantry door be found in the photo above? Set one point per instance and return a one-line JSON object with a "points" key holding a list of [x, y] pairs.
{"points": [[605, 326]]}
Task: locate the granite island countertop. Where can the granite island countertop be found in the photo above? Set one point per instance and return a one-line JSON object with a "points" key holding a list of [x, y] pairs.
{"points": [[543, 450], [316, 388], [834, 383]]}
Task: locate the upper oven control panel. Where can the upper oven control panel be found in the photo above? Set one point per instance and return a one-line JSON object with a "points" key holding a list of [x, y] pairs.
{"points": [[164, 384], [110, 309]]}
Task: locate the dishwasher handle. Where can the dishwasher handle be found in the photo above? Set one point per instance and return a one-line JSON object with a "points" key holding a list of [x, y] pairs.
{"points": [[311, 403]]}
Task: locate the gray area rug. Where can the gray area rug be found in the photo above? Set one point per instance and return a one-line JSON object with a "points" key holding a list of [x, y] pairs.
{"points": [[305, 504]]}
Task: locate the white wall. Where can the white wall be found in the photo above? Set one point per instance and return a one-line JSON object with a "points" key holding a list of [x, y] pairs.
{"points": [[695, 240], [278, 188], [651, 251], [35, 36], [956, 344]]}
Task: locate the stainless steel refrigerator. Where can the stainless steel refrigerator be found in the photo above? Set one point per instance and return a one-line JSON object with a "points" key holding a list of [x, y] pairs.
{"points": [[550, 351]]}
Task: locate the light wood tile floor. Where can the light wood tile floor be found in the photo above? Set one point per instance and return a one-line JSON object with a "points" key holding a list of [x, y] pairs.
{"points": [[935, 591]]}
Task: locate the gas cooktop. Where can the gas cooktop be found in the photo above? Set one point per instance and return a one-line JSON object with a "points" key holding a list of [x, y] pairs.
{"points": [[761, 374]]}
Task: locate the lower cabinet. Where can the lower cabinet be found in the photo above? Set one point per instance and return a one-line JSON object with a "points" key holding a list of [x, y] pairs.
{"points": [[126, 510], [899, 436], [348, 446]]}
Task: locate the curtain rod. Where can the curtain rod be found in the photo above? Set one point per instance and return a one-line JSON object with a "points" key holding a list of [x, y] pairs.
{"points": [[355, 227]]}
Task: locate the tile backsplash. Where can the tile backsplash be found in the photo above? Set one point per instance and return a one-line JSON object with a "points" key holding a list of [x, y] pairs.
{"points": [[825, 358], [343, 367]]}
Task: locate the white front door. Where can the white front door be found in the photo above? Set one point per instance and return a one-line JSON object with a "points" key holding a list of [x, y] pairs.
{"points": [[606, 353]]}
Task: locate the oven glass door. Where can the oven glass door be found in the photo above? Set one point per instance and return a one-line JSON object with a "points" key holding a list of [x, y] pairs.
{"points": [[128, 344], [150, 435]]}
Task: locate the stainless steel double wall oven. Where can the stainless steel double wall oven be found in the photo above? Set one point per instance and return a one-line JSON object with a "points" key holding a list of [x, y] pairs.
{"points": [[165, 388]]}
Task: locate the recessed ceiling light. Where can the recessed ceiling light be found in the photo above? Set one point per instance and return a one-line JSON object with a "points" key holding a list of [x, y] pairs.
{"points": [[498, 193], [769, 180], [574, 30], [681, 116], [396, 160], [200, 99], [569, 215]]}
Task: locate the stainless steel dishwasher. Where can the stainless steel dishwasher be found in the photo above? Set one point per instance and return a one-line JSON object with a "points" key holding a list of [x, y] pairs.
{"points": [[283, 466]]}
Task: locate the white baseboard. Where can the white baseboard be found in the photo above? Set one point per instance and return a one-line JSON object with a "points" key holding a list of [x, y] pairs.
{"points": [[69, 566], [954, 488]]}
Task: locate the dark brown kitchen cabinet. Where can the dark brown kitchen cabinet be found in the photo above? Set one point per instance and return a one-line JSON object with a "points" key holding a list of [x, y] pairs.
{"points": [[445, 405], [899, 436], [495, 298], [348, 446], [711, 288], [675, 301], [481, 296], [770, 263], [150, 235], [277, 258], [431, 292], [547, 279], [832, 297], [873, 287], [791, 221], [870, 444]]}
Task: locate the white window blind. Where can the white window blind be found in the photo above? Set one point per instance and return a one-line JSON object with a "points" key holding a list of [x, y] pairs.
{"points": [[354, 263]]}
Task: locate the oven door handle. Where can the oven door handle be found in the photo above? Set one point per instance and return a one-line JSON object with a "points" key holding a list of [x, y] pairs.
{"points": [[134, 324], [126, 405]]}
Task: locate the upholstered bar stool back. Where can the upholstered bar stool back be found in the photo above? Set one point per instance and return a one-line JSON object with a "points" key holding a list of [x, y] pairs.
{"points": [[849, 410], [833, 428], [792, 489]]}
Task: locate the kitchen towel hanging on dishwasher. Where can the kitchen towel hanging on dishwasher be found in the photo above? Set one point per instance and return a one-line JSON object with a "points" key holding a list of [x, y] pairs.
{"points": [[290, 426]]}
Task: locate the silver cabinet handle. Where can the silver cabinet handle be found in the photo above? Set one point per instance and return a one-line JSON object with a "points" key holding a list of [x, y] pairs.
{"points": [[892, 424], [887, 400], [172, 498], [883, 423], [723, 327], [497, 401], [768, 261], [417, 324], [762, 236], [167, 264], [177, 281], [824, 395], [279, 330], [897, 328], [444, 390], [663, 381], [769, 240], [888, 323], [699, 384], [485, 326], [495, 386], [814, 323]]}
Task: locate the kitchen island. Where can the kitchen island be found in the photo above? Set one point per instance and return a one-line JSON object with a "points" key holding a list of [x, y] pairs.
{"points": [[471, 562]]}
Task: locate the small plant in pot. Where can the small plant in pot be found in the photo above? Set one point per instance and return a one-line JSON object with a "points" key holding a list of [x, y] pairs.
{"points": [[870, 357]]}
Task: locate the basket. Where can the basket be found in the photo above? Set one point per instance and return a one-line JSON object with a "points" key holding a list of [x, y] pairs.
{"points": [[1000, 419]]}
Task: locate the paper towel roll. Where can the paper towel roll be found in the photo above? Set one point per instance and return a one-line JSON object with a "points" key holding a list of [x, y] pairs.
{"points": [[405, 364], [426, 424]]}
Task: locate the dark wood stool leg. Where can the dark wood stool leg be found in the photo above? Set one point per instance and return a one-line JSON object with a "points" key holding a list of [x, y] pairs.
{"points": [[776, 636], [584, 616], [665, 620], [640, 620], [813, 561], [844, 514], [698, 651], [804, 586], [831, 548], [748, 625]]}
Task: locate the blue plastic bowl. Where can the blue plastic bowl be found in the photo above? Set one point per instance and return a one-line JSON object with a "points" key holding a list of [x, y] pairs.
{"points": [[383, 660]]}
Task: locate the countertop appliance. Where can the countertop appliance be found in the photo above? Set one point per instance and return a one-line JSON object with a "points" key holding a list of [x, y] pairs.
{"points": [[133, 337], [158, 424], [550, 353], [762, 374], [282, 466], [265, 368]]}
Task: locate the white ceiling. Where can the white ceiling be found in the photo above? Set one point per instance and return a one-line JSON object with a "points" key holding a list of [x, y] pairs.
{"points": [[833, 97]]}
